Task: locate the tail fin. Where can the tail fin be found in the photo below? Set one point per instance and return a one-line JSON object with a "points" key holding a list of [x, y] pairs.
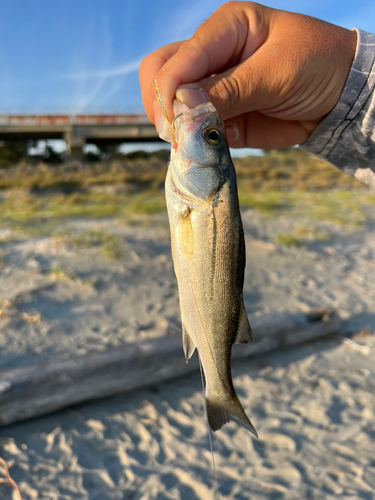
{"points": [[221, 411]]}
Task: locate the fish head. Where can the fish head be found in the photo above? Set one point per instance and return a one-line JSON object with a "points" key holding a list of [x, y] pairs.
{"points": [[199, 153], [200, 134]]}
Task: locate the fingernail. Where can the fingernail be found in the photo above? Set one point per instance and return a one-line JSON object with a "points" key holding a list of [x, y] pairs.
{"points": [[157, 113], [191, 96], [233, 134]]}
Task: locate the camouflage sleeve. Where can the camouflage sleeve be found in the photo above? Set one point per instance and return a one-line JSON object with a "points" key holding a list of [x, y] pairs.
{"points": [[346, 137]]}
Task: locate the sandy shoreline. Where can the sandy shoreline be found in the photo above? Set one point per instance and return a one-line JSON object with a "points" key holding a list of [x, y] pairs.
{"points": [[62, 299], [313, 406]]}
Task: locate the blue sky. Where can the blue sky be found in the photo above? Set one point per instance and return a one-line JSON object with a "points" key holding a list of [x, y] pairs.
{"points": [[83, 55]]}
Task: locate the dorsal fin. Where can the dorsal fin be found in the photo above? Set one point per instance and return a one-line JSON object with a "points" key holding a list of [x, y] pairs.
{"points": [[188, 344], [244, 334]]}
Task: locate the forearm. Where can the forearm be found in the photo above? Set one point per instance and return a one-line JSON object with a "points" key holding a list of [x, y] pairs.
{"points": [[346, 137]]}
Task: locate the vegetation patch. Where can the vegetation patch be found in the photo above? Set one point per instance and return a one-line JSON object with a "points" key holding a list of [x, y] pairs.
{"points": [[310, 233], [69, 276], [343, 208], [292, 169], [69, 178], [370, 198], [289, 240], [63, 274], [265, 202], [34, 228], [339, 208], [112, 246], [91, 238], [114, 249], [148, 202], [4, 240], [288, 182]]}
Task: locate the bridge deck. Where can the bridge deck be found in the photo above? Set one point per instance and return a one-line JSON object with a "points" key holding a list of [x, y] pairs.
{"points": [[79, 129]]}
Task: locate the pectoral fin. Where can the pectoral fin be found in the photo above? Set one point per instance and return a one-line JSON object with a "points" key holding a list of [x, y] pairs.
{"points": [[188, 344], [244, 334], [186, 235]]}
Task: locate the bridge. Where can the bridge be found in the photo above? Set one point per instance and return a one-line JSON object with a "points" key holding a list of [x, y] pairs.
{"points": [[78, 129]]}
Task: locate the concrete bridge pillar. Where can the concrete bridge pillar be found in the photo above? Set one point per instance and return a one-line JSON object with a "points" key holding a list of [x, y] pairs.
{"points": [[74, 146]]}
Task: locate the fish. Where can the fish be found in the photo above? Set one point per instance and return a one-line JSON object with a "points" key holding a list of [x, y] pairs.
{"points": [[208, 249]]}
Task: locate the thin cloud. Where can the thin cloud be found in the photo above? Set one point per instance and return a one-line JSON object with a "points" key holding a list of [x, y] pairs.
{"points": [[99, 94], [97, 79], [125, 69], [112, 91], [83, 102]]}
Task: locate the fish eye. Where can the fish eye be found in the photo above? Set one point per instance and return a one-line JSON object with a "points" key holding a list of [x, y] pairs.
{"points": [[213, 137]]}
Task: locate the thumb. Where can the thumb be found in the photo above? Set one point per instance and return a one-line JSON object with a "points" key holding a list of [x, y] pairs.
{"points": [[252, 85]]}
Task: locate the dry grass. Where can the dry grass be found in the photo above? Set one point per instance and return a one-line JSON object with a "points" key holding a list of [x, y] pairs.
{"points": [[275, 170], [302, 235], [291, 169], [279, 183], [63, 274], [69, 276], [72, 177], [37, 215], [289, 240], [310, 233], [112, 247], [339, 207]]}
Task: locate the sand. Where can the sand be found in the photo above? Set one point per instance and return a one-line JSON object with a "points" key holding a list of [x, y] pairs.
{"points": [[63, 299], [313, 406]]}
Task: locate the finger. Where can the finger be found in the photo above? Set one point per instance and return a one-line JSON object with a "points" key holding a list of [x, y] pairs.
{"points": [[284, 77], [232, 132], [264, 132], [259, 83], [234, 29], [148, 68]]}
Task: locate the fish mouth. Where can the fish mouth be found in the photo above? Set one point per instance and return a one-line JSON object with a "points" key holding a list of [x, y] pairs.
{"points": [[191, 118], [192, 114]]}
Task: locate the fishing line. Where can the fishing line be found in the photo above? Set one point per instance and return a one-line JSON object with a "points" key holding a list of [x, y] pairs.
{"points": [[164, 111], [174, 145], [217, 495]]}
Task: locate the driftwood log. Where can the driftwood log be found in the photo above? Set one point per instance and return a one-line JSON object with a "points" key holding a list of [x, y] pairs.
{"points": [[37, 389]]}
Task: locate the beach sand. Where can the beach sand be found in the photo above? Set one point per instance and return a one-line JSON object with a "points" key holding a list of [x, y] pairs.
{"points": [[313, 406]]}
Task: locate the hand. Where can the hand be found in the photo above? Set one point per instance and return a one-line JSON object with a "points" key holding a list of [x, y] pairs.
{"points": [[273, 74]]}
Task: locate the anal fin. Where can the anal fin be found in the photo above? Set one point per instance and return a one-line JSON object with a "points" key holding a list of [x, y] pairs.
{"points": [[188, 344], [244, 334]]}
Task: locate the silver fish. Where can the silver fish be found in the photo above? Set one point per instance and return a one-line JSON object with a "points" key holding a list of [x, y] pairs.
{"points": [[208, 250]]}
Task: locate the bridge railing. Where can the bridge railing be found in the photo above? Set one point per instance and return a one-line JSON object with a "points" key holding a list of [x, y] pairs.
{"points": [[72, 119]]}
